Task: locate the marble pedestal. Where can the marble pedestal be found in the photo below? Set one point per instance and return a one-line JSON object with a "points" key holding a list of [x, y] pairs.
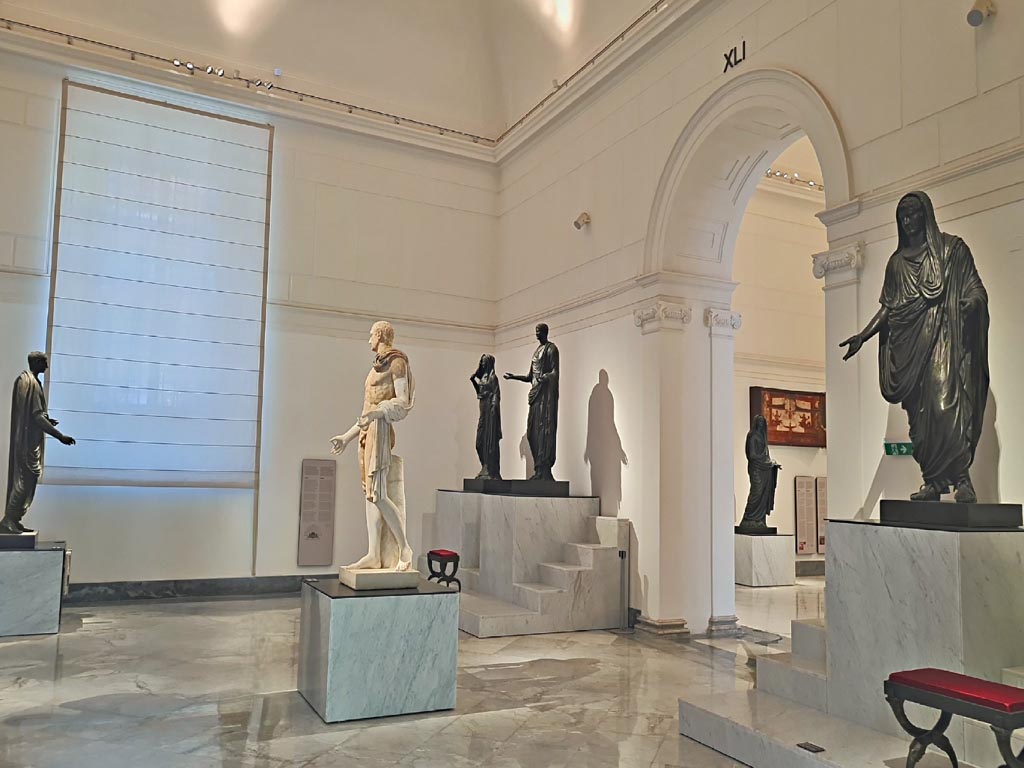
{"points": [[32, 582], [377, 653], [765, 561], [903, 598]]}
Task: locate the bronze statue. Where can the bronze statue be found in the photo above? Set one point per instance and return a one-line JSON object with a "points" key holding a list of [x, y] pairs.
{"points": [[29, 425], [933, 347], [488, 429], [542, 422], [764, 478]]}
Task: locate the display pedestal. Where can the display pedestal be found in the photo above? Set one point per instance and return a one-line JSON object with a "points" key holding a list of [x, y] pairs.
{"points": [[18, 540], [948, 515], [539, 488], [376, 654], [32, 587], [765, 561], [903, 598], [529, 564]]}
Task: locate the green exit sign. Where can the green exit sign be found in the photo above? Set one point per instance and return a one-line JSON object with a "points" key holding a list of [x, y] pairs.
{"points": [[899, 449]]}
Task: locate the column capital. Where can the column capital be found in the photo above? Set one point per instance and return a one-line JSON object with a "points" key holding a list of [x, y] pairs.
{"points": [[722, 322], [844, 262], [662, 315]]}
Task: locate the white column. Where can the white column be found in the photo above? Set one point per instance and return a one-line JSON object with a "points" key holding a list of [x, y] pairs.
{"points": [[722, 325], [661, 530], [840, 268]]}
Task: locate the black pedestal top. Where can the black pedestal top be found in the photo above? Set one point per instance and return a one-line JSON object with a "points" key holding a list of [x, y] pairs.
{"points": [[335, 590], [517, 487], [948, 515]]}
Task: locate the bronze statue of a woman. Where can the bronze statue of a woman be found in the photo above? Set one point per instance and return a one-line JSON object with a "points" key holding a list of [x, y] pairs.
{"points": [[933, 347], [488, 429], [764, 477]]}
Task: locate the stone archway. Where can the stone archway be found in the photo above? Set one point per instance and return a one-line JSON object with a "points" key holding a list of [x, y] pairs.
{"points": [[709, 177]]}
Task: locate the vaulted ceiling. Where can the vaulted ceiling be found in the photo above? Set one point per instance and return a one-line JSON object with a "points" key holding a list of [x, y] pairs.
{"points": [[475, 65]]}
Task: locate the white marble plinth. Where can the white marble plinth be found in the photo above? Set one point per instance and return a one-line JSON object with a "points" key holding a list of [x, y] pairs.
{"points": [[765, 561], [31, 585], [378, 578], [532, 564], [376, 654], [903, 598]]}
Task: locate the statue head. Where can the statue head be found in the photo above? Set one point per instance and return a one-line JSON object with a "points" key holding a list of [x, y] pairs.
{"points": [[542, 332], [38, 362], [910, 217], [382, 333], [486, 363], [759, 425]]}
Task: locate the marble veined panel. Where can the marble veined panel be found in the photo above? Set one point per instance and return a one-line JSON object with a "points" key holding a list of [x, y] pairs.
{"points": [[903, 598], [31, 594], [383, 655], [765, 561]]}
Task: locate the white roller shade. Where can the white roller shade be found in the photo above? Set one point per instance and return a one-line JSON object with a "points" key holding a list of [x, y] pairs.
{"points": [[158, 294]]}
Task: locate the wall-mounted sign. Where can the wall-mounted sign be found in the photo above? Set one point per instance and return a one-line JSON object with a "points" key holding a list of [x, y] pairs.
{"points": [[735, 56], [899, 449]]}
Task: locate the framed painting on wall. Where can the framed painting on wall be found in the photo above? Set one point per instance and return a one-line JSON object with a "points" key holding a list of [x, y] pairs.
{"points": [[794, 418]]}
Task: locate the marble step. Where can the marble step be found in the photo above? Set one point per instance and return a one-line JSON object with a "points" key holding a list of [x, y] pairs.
{"points": [[583, 554], [1013, 676], [535, 595], [470, 578], [809, 640], [559, 575], [485, 616], [759, 729], [797, 679]]}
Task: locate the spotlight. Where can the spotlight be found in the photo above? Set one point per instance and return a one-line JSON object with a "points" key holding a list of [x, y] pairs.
{"points": [[190, 66], [269, 86], [176, 62], [220, 71], [582, 220], [810, 183], [209, 69], [980, 11], [257, 82]]}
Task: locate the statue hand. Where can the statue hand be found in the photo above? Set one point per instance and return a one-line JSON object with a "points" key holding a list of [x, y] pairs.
{"points": [[854, 343], [508, 376], [338, 444], [67, 439]]}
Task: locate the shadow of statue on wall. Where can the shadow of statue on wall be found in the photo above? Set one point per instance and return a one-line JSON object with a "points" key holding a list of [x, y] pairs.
{"points": [[985, 470], [526, 454], [604, 451]]}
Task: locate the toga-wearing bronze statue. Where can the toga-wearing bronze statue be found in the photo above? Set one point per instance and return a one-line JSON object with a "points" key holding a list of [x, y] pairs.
{"points": [[488, 429], [933, 347], [764, 478], [542, 422], [29, 425]]}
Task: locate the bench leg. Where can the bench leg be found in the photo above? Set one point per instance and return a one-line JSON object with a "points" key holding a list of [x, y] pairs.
{"points": [[1006, 750], [924, 738]]}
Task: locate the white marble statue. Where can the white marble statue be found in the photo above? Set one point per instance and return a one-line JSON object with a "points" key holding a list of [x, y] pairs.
{"points": [[389, 396]]}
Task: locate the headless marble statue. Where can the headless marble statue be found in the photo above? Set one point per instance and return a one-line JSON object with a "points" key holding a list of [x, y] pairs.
{"points": [[389, 396]]}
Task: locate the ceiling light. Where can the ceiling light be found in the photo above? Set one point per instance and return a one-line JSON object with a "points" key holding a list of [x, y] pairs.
{"points": [[220, 71], [190, 66], [269, 86], [209, 69], [810, 183], [980, 11], [257, 82], [176, 62]]}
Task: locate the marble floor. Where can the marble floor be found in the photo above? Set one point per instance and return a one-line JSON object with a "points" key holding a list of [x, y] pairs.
{"points": [[211, 684], [770, 609]]}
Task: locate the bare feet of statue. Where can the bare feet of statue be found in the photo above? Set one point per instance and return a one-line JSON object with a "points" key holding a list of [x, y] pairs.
{"points": [[404, 560], [369, 560]]}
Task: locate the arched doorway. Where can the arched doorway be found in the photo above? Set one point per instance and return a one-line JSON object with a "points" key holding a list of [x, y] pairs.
{"points": [[711, 174]]}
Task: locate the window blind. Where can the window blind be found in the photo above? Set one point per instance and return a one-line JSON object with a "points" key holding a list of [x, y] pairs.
{"points": [[158, 293]]}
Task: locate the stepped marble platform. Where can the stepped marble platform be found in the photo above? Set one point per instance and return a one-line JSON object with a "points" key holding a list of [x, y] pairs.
{"points": [[531, 565]]}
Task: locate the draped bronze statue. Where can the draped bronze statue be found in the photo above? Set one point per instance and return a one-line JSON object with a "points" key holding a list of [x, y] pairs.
{"points": [[542, 421], [764, 477], [30, 423], [488, 428], [933, 347]]}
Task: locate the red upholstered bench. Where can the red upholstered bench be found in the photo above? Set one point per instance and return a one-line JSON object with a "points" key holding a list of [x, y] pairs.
{"points": [[999, 706], [438, 561]]}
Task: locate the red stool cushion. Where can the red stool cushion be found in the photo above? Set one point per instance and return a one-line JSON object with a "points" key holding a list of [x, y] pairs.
{"points": [[443, 553], [1004, 698]]}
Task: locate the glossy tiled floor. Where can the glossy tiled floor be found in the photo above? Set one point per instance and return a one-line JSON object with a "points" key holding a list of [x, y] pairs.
{"points": [[770, 609], [206, 684]]}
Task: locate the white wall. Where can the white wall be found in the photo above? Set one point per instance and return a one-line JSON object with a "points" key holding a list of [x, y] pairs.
{"points": [[782, 341], [360, 229]]}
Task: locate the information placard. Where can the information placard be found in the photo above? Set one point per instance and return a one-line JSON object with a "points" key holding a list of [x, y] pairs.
{"points": [[821, 492], [316, 512], [806, 515]]}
